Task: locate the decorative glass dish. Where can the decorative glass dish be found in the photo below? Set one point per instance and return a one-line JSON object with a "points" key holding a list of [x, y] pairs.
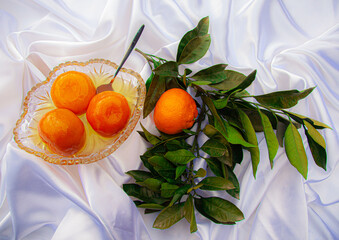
{"points": [[38, 102]]}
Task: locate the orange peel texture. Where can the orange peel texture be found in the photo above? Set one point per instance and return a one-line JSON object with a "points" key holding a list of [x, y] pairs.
{"points": [[175, 110], [62, 131], [108, 113], [73, 90]]}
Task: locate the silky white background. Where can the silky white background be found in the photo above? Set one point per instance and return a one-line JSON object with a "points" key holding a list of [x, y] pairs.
{"points": [[292, 44]]}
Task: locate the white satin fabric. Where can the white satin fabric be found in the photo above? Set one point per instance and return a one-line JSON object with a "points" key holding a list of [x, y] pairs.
{"points": [[292, 44]]}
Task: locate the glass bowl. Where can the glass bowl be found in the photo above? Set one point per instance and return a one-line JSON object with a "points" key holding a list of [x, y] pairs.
{"points": [[38, 102]]}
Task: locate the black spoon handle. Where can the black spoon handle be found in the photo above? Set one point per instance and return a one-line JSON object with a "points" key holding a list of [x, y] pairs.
{"points": [[134, 42]]}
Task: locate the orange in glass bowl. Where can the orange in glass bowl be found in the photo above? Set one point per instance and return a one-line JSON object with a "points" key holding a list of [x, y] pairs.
{"points": [[96, 147], [73, 90]]}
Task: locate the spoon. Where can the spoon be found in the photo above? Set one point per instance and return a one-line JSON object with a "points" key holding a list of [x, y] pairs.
{"points": [[108, 86]]}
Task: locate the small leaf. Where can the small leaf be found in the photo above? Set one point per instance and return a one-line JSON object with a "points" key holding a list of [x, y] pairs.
{"points": [[168, 190], [234, 180], [214, 148], [318, 151], [139, 175], [143, 193], [299, 118], [271, 139], [315, 134], [251, 138], [216, 183], [150, 137], [156, 89], [200, 173], [189, 214], [200, 30], [179, 170], [295, 150], [179, 193], [160, 162], [220, 103], [213, 74], [247, 82], [176, 144], [217, 119], [283, 99], [199, 83], [232, 80], [151, 206], [281, 128], [169, 216], [151, 183], [195, 49], [218, 210], [235, 137], [181, 156], [215, 166], [169, 69]]}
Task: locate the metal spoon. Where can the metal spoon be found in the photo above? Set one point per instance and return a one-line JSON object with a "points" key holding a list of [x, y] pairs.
{"points": [[108, 86]]}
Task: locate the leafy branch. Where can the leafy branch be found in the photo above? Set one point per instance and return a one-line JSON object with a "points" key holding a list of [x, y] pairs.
{"points": [[230, 123]]}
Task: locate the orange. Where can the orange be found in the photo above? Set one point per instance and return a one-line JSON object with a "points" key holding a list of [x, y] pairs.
{"points": [[62, 131], [108, 113], [175, 110], [73, 90]]}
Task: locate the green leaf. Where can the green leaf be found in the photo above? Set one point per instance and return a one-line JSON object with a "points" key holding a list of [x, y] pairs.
{"points": [[317, 145], [318, 152], [179, 193], [214, 148], [237, 153], [216, 183], [200, 30], [160, 162], [281, 128], [315, 134], [251, 138], [200, 173], [176, 144], [143, 193], [169, 216], [168, 190], [234, 180], [199, 83], [246, 83], [220, 103], [300, 118], [271, 139], [181, 156], [215, 166], [213, 74], [235, 137], [218, 210], [151, 206], [156, 89], [195, 49], [168, 174], [169, 69], [295, 150], [151, 183], [232, 80], [152, 139], [218, 121], [179, 170], [283, 99], [139, 175], [189, 214]]}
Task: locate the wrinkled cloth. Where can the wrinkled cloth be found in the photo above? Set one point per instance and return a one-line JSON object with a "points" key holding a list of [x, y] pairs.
{"points": [[292, 44]]}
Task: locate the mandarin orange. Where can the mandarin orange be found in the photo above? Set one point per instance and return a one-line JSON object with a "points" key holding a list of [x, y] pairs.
{"points": [[73, 90], [108, 113], [62, 131], [175, 110]]}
